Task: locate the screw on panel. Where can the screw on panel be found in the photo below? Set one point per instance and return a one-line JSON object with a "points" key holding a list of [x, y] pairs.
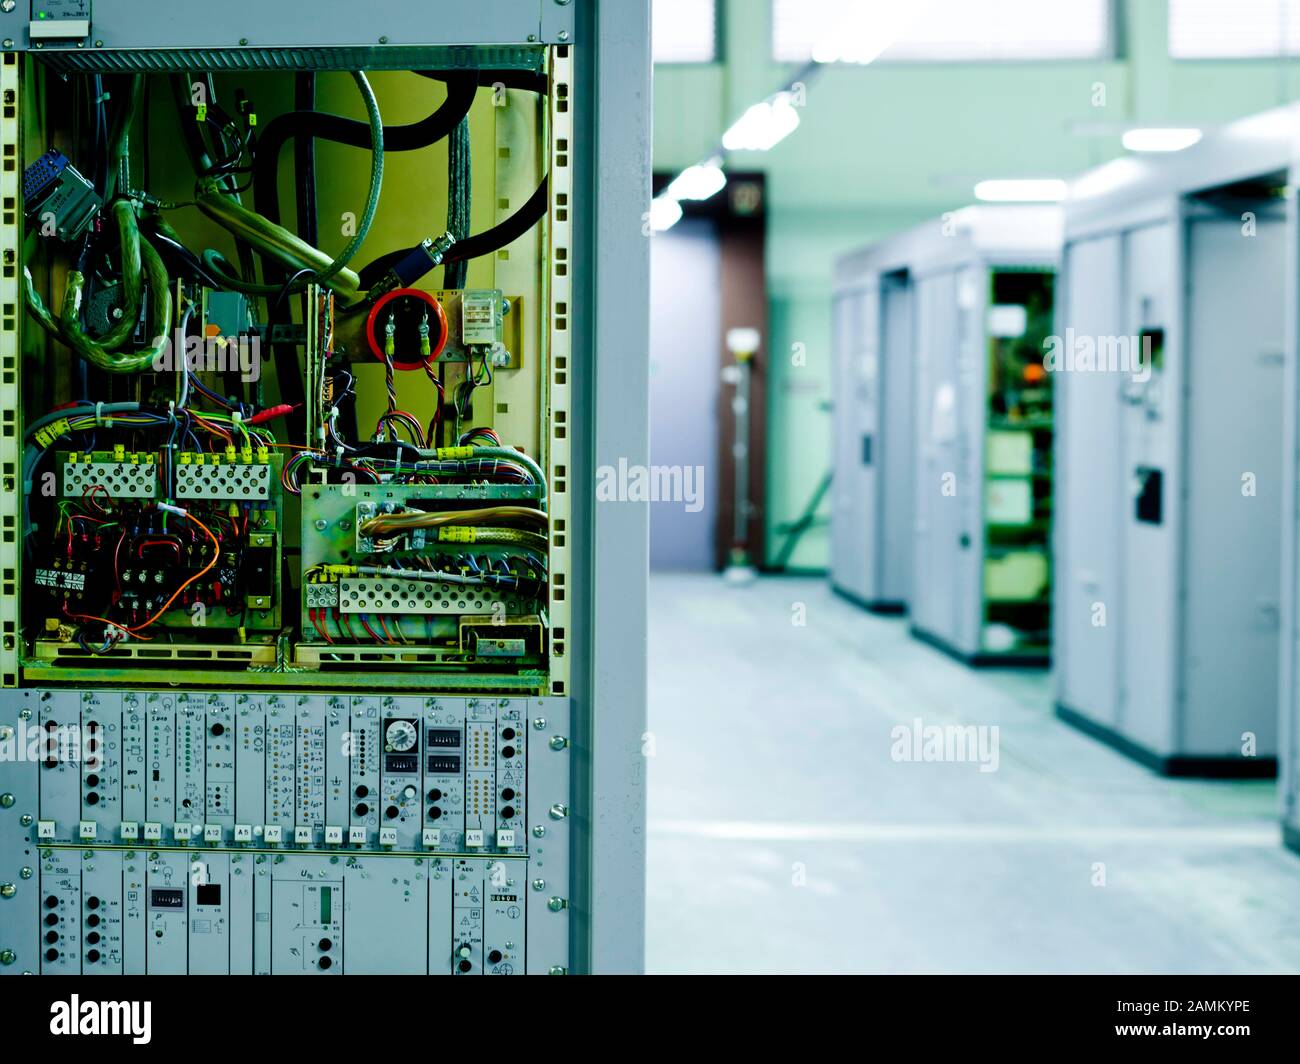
{"points": [[539, 831], [8, 890], [558, 742], [25, 820], [557, 969], [539, 723], [8, 6], [6, 801], [26, 873], [7, 956], [557, 904], [559, 811], [539, 884]]}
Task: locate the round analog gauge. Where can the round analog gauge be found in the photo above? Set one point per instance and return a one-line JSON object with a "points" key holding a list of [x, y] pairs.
{"points": [[401, 735]]}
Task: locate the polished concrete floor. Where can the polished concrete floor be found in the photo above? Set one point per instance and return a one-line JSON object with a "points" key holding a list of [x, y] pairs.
{"points": [[784, 837]]}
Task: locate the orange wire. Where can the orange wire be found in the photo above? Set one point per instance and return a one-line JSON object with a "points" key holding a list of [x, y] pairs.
{"points": [[216, 554]]}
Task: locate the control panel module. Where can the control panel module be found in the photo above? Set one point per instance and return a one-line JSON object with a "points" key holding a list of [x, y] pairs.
{"points": [[173, 832]]}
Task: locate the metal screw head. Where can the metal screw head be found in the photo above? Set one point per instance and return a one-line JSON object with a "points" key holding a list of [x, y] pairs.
{"points": [[557, 904], [559, 811], [6, 733], [26, 873], [25, 714], [8, 890], [539, 723], [383, 40], [8, 6], [558, 742], [25, 820], [539, 831], [556, 969], [6, 800], [8, 43], [7, 956], [563, 35], [539, 884]]}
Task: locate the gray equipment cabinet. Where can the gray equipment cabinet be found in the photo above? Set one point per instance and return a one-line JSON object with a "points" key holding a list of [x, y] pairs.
{"points": [[578, 862], [1169, 446], [1289, 740], [942, 455]]}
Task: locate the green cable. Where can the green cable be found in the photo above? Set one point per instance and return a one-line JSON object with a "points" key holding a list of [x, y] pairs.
{"points": [[96, 353], [279, 242], [376, 180]]}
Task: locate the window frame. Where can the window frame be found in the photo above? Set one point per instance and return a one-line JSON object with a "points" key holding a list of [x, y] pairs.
{"points": [[719, 23], [1111, 50], [1278, 57]]}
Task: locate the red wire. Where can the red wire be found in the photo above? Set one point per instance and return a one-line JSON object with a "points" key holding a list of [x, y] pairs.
{"points": [[315, 620], [90, 496], [158, 543], [102, 620], [216, 554]]}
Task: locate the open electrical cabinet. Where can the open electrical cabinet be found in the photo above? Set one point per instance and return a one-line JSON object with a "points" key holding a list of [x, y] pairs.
{"points": [[298, 357], [292, 393]]}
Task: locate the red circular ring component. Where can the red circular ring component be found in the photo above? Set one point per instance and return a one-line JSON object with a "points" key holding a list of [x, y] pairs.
{"points": [[440, 327]]}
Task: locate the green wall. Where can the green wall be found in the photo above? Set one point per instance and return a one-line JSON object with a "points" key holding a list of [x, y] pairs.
{"points": [[884, 147]]}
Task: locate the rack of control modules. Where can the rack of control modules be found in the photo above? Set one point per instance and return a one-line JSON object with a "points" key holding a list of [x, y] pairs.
{"points": [[164, 832], [285, 561]]}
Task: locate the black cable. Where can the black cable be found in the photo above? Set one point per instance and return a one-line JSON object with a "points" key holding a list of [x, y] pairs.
{"points": [[177, 252], [308, 126], [461, 89], [484, 243], [304, 148]]}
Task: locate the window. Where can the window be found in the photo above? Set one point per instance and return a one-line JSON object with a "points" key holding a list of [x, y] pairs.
{"points": [[685, 31], [937, 30], [1243, 29]]}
